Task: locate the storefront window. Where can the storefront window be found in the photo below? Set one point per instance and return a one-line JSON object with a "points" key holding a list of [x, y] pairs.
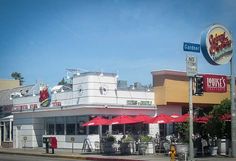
{"points": [[105, 129], [70, 125], [81, 130], [60, 126], [93, 129], [117, 129], [49, 126]]}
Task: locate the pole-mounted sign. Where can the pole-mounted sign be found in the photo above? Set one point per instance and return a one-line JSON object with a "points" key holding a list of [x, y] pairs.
{"points": [[217, 48], [191, 65], [216, 45]]}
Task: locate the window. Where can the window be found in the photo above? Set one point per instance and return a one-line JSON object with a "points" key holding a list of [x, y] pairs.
{"points": [[70, 125], [93, 129], [81, 130], [60, 126], [49, 126], [117, 129]]}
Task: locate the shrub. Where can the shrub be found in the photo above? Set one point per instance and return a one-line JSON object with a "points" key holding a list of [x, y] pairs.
{"points": [[127, 138], [145, 138], [110, 138]]}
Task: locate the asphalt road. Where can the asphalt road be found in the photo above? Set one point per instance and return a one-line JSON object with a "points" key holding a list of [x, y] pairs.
{"points": [[13, 157]]}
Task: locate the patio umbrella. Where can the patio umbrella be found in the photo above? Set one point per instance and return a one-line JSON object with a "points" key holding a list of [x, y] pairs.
{"points": [[142, 118], [175, 116], [203, 119], [161, 119], [121, 120], [96, 121], [226, 117], [182, 118]]}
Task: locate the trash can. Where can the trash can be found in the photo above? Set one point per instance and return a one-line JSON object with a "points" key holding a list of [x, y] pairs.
{"points": [[223, 146], [46, 141], [53, 143]]}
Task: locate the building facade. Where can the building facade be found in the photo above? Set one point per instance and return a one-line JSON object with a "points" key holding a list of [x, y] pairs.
{"points": [[9, 90], [171, 90], [91, 94]]}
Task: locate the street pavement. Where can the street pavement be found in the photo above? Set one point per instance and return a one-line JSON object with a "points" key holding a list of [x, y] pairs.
{"points": [[67, 153], [15, 157]]}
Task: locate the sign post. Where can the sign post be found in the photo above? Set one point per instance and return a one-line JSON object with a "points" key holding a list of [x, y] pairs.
{"points": [[233, 109], [191, 67], [72, 139]]}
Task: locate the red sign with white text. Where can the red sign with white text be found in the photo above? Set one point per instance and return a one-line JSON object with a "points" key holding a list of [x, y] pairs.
{"points": [[215, 83]]}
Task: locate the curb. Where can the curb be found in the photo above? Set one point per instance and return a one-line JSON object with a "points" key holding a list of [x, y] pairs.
{"points": [[68, 156]]}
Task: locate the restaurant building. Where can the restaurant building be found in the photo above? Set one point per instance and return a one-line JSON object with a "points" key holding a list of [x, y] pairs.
{"points": [[171, 90], [64, 110]]}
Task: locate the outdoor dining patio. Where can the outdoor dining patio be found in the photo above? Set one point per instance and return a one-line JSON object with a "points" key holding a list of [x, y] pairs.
{"points": [[139, 143]]}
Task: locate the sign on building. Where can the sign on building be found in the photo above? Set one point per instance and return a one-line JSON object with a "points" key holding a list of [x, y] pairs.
{"points": [[214, 83]]}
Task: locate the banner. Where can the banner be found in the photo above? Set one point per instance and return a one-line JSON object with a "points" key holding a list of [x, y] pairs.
{"points": [[214, 83]]}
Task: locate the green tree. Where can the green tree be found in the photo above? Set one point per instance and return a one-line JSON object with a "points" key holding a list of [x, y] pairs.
{"points": [[217, 127], [18, 76], [62, 82]]}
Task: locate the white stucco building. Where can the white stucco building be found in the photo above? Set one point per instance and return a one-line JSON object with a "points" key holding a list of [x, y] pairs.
{"points": [[91, 94]]}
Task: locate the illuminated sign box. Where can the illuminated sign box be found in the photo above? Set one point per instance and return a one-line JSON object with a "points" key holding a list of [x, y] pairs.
{"points": [[214, 83]]}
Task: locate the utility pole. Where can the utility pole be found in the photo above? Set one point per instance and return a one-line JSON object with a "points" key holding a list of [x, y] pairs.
{"points": [[191, 68], [233, 109], [191, 153]]}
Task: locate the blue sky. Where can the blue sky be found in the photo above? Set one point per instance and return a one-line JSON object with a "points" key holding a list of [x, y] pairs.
{"points": [[41, 38]]}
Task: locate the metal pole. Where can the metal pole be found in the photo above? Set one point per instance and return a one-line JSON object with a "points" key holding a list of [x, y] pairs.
{"points": [[191, 155], [233, 109]]}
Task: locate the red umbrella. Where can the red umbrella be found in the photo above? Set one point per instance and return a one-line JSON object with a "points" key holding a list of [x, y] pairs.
{"points": [[161, 119], [182, 118], [142, 118], [122, 120], [203, 119], [226, 117], [96, 121], [175, 116]]}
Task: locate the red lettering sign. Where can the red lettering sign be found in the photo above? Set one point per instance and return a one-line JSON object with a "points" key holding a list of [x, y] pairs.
{"points": [[215, 83], [218, 43]]}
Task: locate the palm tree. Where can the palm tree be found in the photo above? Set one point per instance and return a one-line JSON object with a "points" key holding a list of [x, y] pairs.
{"points": [[17, 76]]}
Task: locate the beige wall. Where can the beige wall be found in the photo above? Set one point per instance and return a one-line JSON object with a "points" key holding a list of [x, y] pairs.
{"points": [[9, 84], [171, 89]]}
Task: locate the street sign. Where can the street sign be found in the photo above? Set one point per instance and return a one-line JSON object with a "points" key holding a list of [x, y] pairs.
{"points": [[191, 47], [191, 65]]}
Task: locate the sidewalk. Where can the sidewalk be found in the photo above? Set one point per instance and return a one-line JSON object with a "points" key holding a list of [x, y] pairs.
{"points": [[67, 153]]}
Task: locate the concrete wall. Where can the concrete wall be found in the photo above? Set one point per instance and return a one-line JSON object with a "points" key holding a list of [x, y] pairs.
{"points": [[28, 132], [9, 84]]}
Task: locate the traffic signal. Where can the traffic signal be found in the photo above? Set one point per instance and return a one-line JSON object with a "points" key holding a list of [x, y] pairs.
{"points": [[199, 85]]}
